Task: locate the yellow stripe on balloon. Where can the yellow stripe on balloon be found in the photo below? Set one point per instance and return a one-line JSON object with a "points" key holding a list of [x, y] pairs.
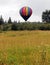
{"points": [[26, 11]]}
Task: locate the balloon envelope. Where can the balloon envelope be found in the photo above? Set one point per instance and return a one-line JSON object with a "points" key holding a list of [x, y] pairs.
{"points": [[25, 12]]}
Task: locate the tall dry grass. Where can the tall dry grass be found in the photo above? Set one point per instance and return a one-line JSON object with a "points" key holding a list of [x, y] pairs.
{"points": [[25, 48]]}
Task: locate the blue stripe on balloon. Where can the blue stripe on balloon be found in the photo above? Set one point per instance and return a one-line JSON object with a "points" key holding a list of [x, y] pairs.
{"points": [[28, 11], [21, 11]]}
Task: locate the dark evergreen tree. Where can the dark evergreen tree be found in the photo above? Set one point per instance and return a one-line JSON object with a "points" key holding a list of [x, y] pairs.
{"points": [[1, 20], [46, 16], [9, 20]]}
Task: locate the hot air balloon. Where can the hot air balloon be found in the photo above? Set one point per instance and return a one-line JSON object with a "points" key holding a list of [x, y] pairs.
{"points": [[25, 12]]}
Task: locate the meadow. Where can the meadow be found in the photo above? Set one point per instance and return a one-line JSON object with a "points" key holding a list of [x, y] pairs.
{"points": [[25, 48]]}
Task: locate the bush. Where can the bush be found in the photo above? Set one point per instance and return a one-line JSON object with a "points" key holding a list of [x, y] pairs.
{"points": [[14, 27]]}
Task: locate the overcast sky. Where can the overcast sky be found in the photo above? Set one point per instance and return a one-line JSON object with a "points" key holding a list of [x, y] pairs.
{"points": [[10, 8]]}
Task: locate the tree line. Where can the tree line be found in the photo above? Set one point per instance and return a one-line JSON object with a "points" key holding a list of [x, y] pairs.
{"points": [[24, 26], [9, 25]]}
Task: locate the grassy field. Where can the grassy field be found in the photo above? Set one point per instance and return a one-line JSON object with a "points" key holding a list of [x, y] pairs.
{"points": [[25, 48]]}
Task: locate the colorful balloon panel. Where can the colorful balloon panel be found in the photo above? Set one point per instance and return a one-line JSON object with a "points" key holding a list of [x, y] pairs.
{"points": [[25, 12]]}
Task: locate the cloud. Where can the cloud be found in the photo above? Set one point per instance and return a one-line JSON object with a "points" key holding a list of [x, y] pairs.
{"points": [[11, 8]]}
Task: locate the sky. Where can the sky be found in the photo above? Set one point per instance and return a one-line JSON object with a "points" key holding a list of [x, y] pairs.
{"points": [[10, 8]]}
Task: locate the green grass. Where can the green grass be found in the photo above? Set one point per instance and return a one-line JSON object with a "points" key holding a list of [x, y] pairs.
{"points": [[38, 55]]}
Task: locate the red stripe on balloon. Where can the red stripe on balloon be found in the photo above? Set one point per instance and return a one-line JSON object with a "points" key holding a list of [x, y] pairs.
{"points": [[23, 11]]}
